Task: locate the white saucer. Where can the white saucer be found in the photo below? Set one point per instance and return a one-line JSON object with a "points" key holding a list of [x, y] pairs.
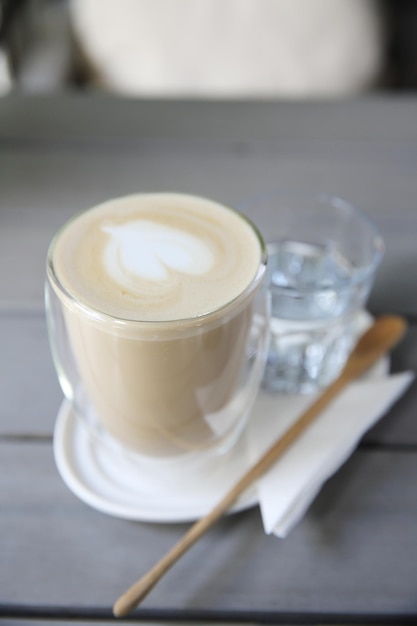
{"points": [[146, 490], [149, 490]]}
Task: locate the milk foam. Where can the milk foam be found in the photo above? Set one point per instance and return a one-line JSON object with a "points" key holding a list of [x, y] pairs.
{"points": [[157, 257], [152, 251]]}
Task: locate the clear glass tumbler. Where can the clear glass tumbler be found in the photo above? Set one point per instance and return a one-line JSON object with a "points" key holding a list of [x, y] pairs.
{"points": [[323, 253]]}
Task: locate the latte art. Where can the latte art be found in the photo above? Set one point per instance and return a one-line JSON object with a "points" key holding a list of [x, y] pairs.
{"points": [[144, 250], [157, 257]]}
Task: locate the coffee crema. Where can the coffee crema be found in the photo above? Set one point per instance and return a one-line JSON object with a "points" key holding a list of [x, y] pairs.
{"points": [[157, 257]]}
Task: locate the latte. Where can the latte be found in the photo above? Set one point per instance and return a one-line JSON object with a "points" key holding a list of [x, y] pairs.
{"points": [[156, 297], [157, 257]]}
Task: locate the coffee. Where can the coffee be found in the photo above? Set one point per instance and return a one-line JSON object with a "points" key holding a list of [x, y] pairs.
{"points": [[157, 257], [156, 292]]}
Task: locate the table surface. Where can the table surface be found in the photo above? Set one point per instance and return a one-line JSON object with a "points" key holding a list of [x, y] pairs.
{"points": [[353, 558]]}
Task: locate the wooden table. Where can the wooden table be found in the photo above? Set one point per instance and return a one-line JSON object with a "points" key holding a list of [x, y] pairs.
{"points": [[353, 558]]}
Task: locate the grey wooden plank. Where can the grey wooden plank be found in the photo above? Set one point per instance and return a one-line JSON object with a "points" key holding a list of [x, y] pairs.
{"points": [[84, 118], [67, 617], [398, 426], [39, 191], [29, 390], [355, 551], [96, 619]]}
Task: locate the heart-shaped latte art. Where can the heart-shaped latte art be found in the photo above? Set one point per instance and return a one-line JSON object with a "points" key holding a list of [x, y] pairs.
{"points": [[146, 250]]}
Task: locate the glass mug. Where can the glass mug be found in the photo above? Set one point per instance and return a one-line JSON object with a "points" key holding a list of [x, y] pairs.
{"points": [[159, 385]]}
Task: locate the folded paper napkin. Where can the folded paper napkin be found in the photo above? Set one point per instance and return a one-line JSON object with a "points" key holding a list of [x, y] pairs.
{"points": [[288, 489]]}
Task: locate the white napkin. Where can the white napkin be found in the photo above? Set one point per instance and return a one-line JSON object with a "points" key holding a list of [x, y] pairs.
{"points": [[287, 490]]}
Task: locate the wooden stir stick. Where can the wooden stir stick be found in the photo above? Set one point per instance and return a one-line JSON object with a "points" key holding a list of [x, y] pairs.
{"points": [[382, 336]]}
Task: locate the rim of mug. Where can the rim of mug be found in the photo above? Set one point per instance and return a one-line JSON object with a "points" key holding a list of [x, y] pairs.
{"points": [[98, 316]]}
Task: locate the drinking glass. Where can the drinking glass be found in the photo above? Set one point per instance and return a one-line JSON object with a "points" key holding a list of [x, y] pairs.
{"points": [[323, 253], [160, 389]]}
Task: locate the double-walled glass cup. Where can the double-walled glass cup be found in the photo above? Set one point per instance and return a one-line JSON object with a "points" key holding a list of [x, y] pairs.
{"points": [[160, 389]]}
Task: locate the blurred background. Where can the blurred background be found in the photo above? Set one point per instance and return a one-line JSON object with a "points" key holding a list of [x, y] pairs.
{"points": [[209, 48]]}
